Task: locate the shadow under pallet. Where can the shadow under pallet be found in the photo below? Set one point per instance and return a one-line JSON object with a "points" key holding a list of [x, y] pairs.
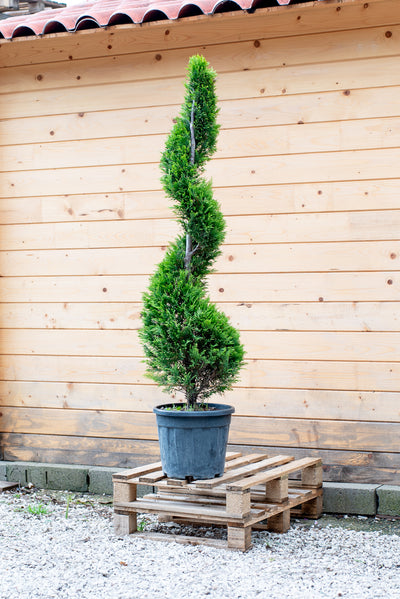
{"points": [[253, 493]]}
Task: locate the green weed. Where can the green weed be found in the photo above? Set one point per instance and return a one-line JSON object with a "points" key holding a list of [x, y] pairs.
{"points": [[141, 525], [69, 499], [38, 510]]}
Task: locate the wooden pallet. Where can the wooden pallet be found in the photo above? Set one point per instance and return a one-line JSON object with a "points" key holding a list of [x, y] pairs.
{"points": [[7, 486], [254, 492]]}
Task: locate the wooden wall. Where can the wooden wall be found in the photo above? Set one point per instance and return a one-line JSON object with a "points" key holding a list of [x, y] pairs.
{"points": [[307, 173]]}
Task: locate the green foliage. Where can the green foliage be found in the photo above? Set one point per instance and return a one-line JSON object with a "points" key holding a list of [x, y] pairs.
{"points": [[189, 344], [38, 510]]}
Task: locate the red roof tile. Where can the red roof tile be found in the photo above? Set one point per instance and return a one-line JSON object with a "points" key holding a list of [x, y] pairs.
{"points": [[100, 13]]}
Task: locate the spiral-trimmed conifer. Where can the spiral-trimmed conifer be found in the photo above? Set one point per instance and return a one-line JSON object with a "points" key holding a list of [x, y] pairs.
{"points": [[189, 344]]}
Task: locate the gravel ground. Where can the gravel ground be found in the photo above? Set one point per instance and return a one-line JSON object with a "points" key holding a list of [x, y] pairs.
{"points": [[55, 544]]}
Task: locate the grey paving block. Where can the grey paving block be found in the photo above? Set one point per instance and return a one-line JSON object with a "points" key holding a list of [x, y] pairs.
{"points": [[350, 498], [3, 470], [67, 477], [27, 472], [388, 500], [49, 476], [17, 472], [100, 480]]}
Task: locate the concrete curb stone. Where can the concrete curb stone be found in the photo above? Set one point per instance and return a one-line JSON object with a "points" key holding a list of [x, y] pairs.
{"points": [[3, 471], [339, 498], [350, 498], [65, 477], [388, 500], [100, 480]]}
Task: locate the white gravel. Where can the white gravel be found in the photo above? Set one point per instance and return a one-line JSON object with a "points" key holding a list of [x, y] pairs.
{"points": [[51, 555]]}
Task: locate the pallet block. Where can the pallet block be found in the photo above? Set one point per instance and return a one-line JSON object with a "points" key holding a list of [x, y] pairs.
{"points": [[254, 492], [7, 486]]}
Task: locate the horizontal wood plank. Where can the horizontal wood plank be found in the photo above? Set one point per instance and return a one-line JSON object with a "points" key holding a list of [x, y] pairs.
{"points": [[313, 434], [325, 167], [239, 473], [268, 53], [261, 258], [305, 78], [76, 316], [319, 316], [335, 316], [294, 403], [280, 287], [263, 199], [349, 466], [233, 143], [241, 230], [151, 232], [132, 473], [277, 345], [88, 125], [264, 477], [198, 513], [115, 453], [296, 111], [282, 374]]}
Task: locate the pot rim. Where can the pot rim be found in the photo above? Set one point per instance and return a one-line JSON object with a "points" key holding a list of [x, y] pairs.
{"points": [[219, 410]]}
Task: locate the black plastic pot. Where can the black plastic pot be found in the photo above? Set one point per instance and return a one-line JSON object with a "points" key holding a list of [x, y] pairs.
{"points": [[193, 444]]}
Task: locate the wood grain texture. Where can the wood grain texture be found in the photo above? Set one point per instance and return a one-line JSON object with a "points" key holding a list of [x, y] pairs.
{"points": [[317, 316], [294, 403], [275, 374], [241, 230], [260, 258], [264, 199], [367, 73], [325, 167], [287, 110], [283, 432], [280, 287], [277, 345], [232, 143], [349, 466]]}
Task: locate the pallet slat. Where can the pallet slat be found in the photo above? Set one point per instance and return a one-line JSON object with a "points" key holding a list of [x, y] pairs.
{"points": [[243, 471], [273, 474], [200, 513], [135, 472]]}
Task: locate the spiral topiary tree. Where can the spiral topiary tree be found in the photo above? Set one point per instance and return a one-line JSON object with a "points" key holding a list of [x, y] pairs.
{"points": [[189, 344]]}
